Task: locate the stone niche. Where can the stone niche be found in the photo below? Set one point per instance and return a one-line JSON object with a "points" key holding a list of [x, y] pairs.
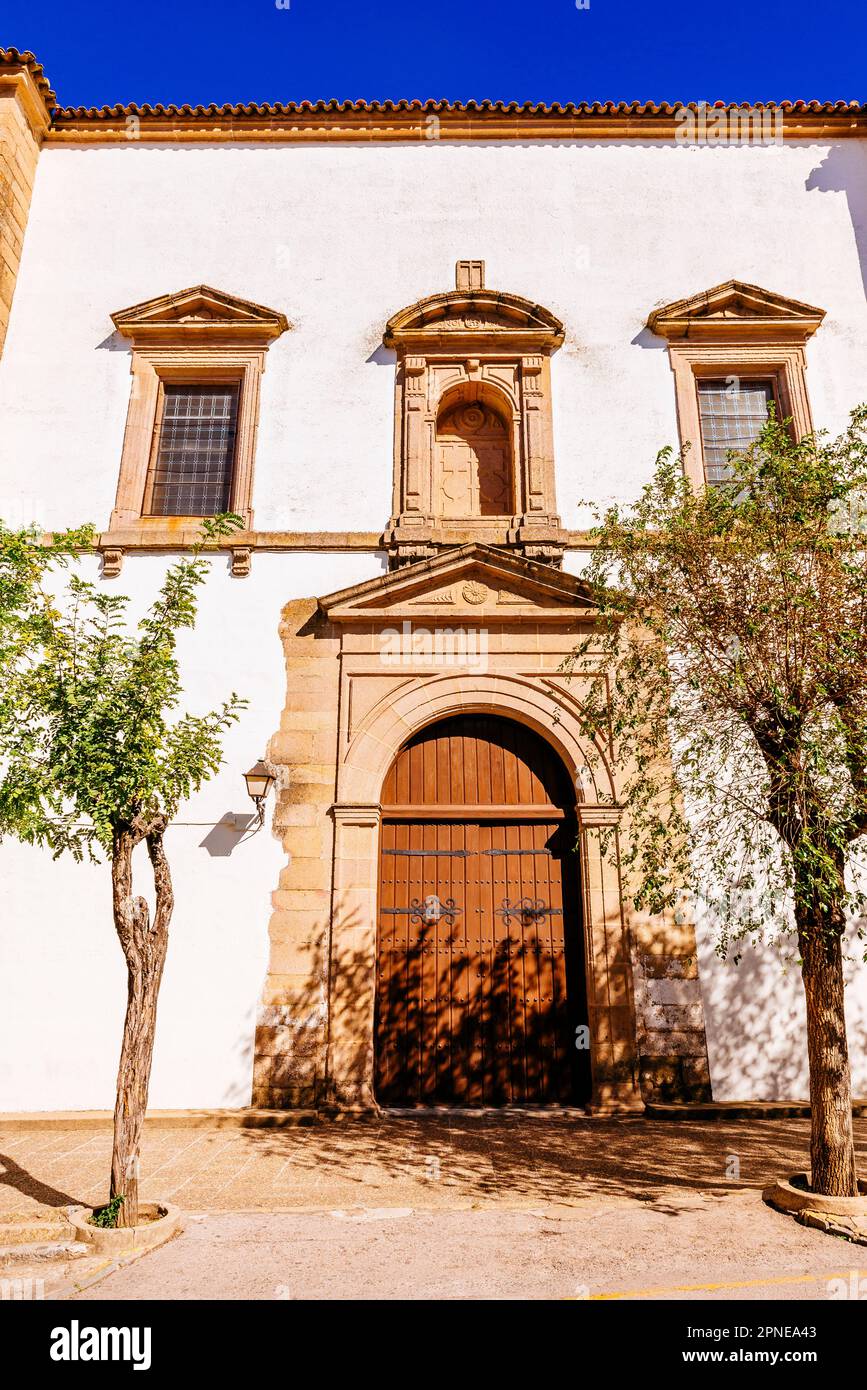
{"points": [[473, 443]]}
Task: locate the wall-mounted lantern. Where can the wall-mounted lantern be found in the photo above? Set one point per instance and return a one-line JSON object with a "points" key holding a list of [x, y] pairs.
{"points": [[259, 782]]}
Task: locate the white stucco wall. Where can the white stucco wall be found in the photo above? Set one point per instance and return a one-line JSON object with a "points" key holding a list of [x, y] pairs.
{"points": [[339, 237], [62, 973], [756, 1025]]}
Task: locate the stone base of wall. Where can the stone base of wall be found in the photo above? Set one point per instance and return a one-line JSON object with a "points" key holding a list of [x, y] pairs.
{"points": [[672, 1045]]}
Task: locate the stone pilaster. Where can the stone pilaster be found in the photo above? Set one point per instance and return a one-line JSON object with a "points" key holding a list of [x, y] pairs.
{"points": [[289, 1062], [25, 105]]}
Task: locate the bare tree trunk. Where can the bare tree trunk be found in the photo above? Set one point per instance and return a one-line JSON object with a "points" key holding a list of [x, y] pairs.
{"points": [[832, 1150], [144, 945]]}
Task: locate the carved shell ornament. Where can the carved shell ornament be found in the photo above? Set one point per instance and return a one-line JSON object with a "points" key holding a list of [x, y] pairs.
{"points": [[474, 592], [471, 418]]}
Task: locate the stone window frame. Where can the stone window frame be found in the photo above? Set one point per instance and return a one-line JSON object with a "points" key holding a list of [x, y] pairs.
{"points": [[736, 330], [151, 371], [196, 337]]}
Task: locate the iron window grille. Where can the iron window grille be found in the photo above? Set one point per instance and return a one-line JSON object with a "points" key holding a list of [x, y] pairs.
{"points": [[193, 467], [732, 414]]}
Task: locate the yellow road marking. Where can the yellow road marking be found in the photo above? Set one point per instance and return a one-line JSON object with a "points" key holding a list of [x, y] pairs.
{"points": [[736, 1284]]}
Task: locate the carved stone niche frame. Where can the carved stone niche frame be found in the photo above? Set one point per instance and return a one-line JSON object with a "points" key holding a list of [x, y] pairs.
{"points": [[466, 346], [197, 335], [736, 330]]}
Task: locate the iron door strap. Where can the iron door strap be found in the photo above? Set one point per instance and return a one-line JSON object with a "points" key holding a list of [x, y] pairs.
{"points": [[527, 910], [542, 850], [429, 912], [459, 853], [431, 853]]}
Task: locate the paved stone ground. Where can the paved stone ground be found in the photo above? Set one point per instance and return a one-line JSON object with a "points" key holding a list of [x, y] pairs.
{"points": [[453, 1206], [431, 1161]]}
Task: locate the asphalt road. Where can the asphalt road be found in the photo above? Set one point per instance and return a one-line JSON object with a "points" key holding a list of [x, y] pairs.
{"points": [[687, 1246]]}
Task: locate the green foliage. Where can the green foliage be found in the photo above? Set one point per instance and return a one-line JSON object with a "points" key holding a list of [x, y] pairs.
{"points": [[734, 638], [28, 560], [98, 742], [107, 1216]]}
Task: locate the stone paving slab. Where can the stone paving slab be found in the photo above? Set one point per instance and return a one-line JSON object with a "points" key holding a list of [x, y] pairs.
{"points": [[426, 1162]]}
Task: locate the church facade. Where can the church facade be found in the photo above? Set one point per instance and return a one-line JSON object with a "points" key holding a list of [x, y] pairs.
{"points": [[410, 345]]}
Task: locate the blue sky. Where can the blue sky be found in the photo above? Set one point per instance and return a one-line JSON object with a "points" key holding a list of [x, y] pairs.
{"points": [[538, 50]]}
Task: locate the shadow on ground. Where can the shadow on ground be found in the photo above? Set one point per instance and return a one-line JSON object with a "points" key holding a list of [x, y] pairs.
{"points": [[430, 1161], [18, 1178], [550, 1160]]}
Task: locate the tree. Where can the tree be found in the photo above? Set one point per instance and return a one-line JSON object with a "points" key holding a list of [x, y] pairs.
{"points": [[27, 560], [734, 637], [101, 764]]}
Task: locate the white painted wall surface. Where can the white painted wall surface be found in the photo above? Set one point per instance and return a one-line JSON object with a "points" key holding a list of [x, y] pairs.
{"points": [[756, 1024], [339, 238], [62, 973]]}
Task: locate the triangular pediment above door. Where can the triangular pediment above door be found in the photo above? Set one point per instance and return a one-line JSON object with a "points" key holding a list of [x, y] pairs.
{"points": [[472, 583]]}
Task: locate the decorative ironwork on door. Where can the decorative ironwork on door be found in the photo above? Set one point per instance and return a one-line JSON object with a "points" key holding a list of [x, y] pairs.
{"points": [[528, 910]]}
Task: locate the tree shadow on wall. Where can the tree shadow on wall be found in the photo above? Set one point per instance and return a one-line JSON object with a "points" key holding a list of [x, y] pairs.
{"points": [[459, 1026], [756, 1029], [452, 1025]]}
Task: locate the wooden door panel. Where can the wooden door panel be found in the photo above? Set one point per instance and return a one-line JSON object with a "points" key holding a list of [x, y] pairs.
{"points": [[480, 980]]}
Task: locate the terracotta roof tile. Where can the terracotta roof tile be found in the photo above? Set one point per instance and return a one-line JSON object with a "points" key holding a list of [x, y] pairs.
{"points": [[439, 107], [11, 58]]}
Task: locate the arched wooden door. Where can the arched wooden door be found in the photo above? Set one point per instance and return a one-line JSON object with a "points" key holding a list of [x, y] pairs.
{"points": [[480, 980]]}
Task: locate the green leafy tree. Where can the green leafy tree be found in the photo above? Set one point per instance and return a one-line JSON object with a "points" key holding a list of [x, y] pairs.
{"points": [[101, 764], [734, 637], [27, 560]]}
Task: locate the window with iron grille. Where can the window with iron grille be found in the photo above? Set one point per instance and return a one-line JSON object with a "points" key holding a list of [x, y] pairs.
{"points": [[191, 474], [732, 414]]}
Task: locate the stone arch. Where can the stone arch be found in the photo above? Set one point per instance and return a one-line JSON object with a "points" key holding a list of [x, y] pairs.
{"points": [[367, 755], [550, 711]]}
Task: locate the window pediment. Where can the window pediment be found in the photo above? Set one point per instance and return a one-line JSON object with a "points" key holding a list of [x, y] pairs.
{"points": [[732, 349], [465, 314], [736, 311], [197, 359], [199, 314]]}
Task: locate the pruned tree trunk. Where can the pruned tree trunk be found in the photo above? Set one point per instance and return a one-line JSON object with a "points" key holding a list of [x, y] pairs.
{"points": [[144, 944], [832, 1149]]}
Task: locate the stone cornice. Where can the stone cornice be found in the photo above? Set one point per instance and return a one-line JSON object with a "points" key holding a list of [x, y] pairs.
{"points": [[18, 83], [428, 121], [14, 64], [166, 534]]}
